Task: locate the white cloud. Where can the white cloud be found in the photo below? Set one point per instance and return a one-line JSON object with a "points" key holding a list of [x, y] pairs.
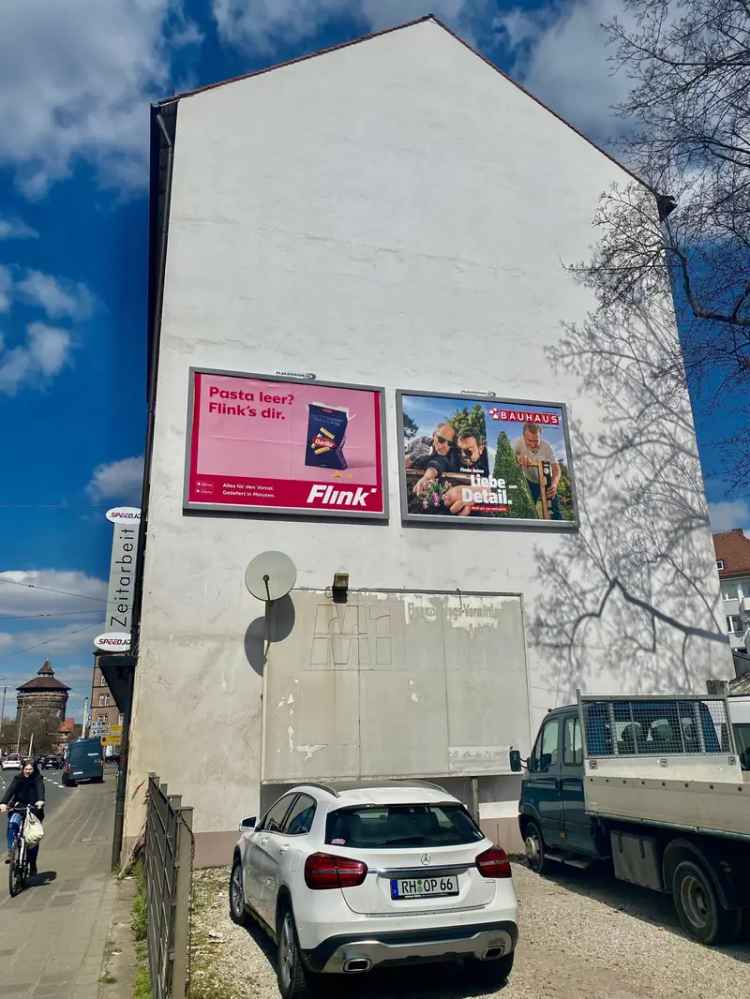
{"points": [[729, 514], [6, 288], [75, 81], [262, 25], [561, 56], [51, 591], [118, 480], [56, 296], [48, 347], [16, 229], [44, 354], [6, 640], [76, 638]]}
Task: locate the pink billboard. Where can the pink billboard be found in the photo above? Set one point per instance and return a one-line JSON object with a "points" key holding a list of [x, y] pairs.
{"points": [[262, 444]]}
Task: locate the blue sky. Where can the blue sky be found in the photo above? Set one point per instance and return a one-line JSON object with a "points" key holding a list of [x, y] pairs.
{"points": [[76, 79]]}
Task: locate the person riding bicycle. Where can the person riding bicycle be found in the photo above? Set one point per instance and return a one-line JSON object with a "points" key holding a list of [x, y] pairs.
{"points": [[26, 788]]}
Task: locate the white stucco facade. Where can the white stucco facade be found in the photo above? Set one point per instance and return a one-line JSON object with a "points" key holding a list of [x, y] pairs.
{"points": [[391, 213]]}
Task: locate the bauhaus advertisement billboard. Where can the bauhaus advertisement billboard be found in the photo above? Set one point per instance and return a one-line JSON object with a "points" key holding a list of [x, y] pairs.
{"points": [[258, 443], [467, 460]]}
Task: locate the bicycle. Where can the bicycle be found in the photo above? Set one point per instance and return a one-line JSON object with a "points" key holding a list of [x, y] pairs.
{"points": [[19, 867]]}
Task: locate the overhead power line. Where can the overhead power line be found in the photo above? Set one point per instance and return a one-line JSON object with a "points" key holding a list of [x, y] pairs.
{"points": [[48, 641], [51, 589], [30, 617]]}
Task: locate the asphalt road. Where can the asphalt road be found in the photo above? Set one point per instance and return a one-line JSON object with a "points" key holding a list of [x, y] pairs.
{"points": [[53, 935]]}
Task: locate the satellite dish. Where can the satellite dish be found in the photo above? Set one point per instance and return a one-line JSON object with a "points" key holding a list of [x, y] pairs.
{"points": [[270, 575]]}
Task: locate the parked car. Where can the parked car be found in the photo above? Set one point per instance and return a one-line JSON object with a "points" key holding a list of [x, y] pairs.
{"points": [[51, 762], [345, 880], [83, 761], [12, 761]]}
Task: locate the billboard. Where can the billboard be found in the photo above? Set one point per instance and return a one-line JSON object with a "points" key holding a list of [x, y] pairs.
{"points": [[466, 460], [263, 444]]}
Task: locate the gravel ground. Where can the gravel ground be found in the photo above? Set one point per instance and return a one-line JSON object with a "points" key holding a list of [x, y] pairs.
{"points": [[583, 936]]}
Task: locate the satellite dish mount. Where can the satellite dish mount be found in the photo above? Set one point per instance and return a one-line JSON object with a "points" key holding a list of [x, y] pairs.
{"points": [[269, 577]]}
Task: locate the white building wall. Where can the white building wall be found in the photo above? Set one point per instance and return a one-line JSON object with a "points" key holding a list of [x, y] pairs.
{"points": [[392, 213]]}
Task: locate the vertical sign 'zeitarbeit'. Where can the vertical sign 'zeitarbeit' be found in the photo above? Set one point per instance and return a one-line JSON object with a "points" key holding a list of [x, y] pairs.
{"points": [[126, 521], [122, 577]]}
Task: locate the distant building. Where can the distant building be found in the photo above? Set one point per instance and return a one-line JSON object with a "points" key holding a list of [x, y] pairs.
{"points": [[67, 731], [41, 704], [733, 564], [105, 716]]}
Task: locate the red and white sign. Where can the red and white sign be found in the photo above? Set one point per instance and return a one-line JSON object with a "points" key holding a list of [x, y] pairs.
{"points": [[124, 515], [266, 445], [113, 641]]}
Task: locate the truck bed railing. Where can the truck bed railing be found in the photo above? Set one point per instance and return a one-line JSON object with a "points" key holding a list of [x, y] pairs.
{"points": [[654, 725]]}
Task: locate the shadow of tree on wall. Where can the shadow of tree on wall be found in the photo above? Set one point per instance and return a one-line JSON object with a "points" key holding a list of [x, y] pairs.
{"points": [[636, 587]]}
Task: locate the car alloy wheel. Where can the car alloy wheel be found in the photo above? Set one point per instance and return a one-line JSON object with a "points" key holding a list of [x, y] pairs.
{"points": [[293, 981], [237, 895], [286, 953]]}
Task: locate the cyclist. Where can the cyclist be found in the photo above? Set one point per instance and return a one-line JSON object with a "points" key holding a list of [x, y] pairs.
{"points": [[26, 788]]}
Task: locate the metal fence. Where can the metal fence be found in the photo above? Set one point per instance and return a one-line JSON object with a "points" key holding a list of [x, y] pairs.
{"points": [[168, 865]]}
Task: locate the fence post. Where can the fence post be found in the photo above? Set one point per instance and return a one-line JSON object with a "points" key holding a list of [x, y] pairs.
{"points": [[184, 864]]}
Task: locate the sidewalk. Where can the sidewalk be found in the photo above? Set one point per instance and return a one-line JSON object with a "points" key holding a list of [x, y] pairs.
{"points": [[53, 935]]}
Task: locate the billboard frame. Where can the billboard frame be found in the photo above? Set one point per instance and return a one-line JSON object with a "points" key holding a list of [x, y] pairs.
{"points": [[478, 523], [243, 509]]}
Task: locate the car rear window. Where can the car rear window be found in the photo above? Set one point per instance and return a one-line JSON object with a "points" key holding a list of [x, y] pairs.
{"points": [[387, 827]]}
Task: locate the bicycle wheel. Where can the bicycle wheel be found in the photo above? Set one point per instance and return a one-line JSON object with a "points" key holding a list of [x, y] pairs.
{"points": [[15, 872]]}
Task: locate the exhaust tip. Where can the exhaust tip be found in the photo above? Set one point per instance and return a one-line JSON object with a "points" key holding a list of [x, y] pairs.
{"points": [[357, 964]]}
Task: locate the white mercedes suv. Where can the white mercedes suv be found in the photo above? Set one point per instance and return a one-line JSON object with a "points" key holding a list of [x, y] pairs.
{"points": [[349, 879]]}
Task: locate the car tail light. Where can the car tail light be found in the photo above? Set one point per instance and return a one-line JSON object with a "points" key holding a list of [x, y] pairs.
{"points": [[494, 863], [324, 870]]}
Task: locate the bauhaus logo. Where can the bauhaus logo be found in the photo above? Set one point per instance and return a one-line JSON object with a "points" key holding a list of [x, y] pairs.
{"points": [[330, 496]]}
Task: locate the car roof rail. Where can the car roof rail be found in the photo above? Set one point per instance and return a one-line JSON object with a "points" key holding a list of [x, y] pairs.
{"points": [[365, 783], [320, 786]]}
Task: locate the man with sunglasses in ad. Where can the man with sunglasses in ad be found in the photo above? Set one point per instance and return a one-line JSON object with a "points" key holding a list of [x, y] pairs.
{"points": [[472, 454], [434, 456]]}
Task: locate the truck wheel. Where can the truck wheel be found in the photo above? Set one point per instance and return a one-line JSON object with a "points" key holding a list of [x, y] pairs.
{"points": [[698, 906], [534, 845]]}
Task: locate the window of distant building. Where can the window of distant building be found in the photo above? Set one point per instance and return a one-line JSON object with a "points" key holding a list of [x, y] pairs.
{"points": [[734, 624], [719, 563], [729, 591]]}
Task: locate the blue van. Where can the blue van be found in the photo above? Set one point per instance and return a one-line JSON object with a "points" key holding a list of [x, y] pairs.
{"points": [[83, 760]]}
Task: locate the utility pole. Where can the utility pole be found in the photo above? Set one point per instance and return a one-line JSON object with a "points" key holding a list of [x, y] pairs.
{"points": [[20, 725], [85, 719], [2, 710]]}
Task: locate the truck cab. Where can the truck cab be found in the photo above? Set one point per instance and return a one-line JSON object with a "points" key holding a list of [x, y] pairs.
{"points": [[552, 811]]}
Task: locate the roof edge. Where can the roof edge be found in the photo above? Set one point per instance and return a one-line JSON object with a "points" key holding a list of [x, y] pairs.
{"points": [[386, 31], [293, 62]]}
